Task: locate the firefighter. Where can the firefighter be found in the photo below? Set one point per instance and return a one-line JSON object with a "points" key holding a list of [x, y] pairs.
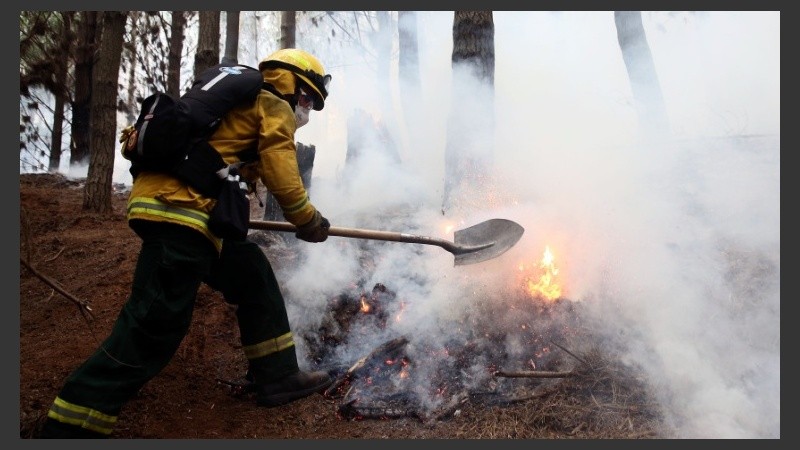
{"points": [[178, 252]]}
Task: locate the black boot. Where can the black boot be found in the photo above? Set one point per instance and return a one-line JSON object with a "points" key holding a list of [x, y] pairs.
{"points": [[291, 387], [53, 429]]}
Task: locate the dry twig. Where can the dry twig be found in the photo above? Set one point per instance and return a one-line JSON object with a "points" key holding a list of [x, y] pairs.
{"points": [[533, 374], [573, 355], [84, 307], [53, 258]]}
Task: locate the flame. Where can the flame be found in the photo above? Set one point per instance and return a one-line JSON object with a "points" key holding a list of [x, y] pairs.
{"points": [[404, 370], [546, 286], [399, 315], [365, 307]]}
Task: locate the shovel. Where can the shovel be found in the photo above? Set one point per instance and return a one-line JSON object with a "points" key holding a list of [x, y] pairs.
{"points": [[475, 244]]}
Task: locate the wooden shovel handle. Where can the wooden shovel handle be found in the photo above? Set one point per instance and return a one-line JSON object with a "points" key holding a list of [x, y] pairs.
{"points": [[357, 233]]}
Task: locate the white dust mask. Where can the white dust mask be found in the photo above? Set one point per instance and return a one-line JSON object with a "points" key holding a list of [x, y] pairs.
{"points": [[301, 115], [302, 110]]}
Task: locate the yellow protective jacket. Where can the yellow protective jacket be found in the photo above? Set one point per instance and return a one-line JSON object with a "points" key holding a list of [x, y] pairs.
{"points": [[268, 125]]}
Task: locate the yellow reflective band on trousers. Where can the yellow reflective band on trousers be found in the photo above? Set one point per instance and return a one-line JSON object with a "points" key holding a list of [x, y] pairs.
{"points": [[152, 209], [268, 347], [81, 416]]}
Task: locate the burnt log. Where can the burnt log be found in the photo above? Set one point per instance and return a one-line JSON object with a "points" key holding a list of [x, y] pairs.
{"points": [[395, 407], [389, 350]]}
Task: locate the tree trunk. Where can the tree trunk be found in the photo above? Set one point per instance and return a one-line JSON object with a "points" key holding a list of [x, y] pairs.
{"points": [[642, 74], [473, 43], [387, 127], [288, 29], [383, 47], [58, 131], [175, 53], [103, 118], [408, 67], [231, 37], [207, 42], [61, 93], [84, 66], [133, 64], [470, 131]]}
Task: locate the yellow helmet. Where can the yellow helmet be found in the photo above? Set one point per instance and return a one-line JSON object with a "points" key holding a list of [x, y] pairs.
{"points": [[306, 66]]}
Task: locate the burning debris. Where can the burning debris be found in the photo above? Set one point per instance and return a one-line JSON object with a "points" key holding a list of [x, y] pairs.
{"points": [[502, 355], [498, 352], [349, 316]]}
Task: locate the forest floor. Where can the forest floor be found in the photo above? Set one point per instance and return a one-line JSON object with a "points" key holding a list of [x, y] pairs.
{"points": [[90, 257]]}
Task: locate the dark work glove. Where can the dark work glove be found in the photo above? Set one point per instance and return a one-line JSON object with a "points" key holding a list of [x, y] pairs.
{"points": [[314, 231]]}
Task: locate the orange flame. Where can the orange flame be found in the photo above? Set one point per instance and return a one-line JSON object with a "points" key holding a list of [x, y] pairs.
{"points": [[399, 315], [404, 370], [365, 307], [547, 286]]}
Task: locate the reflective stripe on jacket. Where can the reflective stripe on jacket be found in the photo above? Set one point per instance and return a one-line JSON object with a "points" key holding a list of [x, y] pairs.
{"points": [[156, 210]]}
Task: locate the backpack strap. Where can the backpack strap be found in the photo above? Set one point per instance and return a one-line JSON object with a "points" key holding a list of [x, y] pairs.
{"points": [[145, 123]]}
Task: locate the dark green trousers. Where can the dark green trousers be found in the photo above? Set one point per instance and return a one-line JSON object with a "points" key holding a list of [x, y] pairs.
{"points": [[173, 262]]}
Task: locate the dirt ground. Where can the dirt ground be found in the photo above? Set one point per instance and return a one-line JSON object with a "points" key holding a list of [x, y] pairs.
{"points": [[70, 256]]}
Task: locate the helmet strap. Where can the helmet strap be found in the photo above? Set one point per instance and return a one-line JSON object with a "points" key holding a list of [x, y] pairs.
{"points": [[319, 80]]}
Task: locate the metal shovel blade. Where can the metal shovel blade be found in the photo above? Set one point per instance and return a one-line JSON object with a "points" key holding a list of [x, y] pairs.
{"points": [[485, 240]]}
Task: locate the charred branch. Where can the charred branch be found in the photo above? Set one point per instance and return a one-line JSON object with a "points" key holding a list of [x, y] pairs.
{"points": [[533, 374], [388, 350]]}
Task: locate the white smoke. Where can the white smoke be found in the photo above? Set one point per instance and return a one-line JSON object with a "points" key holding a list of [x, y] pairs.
{"points": [[674, 245]]}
